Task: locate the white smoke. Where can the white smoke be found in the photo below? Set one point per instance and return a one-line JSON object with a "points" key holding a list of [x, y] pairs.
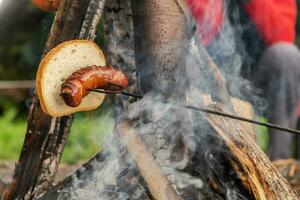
{"points": [[170, 131]]}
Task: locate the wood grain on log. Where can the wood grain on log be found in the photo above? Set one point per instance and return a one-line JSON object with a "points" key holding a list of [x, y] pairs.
{"points": [[241, 108], [160, 44], [255, 169], [159, 186], [46, 136]]}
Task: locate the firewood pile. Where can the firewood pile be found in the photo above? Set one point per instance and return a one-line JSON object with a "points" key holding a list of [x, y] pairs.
{"points": [[158, 150]]}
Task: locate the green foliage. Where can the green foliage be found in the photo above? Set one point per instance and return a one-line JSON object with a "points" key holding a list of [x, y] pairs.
{"points": [[262, 134], [11, 135], [87, 134]]}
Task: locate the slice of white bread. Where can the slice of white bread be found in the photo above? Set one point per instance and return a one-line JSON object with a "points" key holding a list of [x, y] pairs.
{"points": [[57, 66]]}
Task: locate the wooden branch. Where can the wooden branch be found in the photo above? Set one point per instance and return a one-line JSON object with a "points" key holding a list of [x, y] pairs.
{"points": [[219, 83], [255, 169], [46, 136], [241, 108], [158, 184]]}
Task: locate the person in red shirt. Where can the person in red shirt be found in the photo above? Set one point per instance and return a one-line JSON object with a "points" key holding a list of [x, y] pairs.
{"points": [[264, 32]]}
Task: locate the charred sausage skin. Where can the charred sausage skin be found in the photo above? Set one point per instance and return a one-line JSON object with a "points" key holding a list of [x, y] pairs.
{"points": [[102, 77]]}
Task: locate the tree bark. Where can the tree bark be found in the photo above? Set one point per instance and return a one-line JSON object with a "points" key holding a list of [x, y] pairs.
{"points": [[46, 136], [241, 108], [160, 45], [119, 46], [255, 170]]}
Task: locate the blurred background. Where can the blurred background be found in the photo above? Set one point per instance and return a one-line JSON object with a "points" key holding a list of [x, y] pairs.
{"points": [[23, 33]]}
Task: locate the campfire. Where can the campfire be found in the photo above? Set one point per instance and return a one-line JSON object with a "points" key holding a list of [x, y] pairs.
{"points": [[160, 149]]}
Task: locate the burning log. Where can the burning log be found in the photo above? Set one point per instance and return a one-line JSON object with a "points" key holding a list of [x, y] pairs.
{"points": [[256, 171], [241, 108], [218, 91], [159, 186]]}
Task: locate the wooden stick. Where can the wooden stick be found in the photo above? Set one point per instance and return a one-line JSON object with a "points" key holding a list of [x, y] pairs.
{"points": [[255, 169], [219, 82], [159, 186]]}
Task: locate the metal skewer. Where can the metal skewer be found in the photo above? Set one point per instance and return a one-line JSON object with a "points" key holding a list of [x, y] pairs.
{"points": [[117, 92], [210, 111]]}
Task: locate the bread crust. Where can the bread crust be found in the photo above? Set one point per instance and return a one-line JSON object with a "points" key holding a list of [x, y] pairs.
{"points": [[39, 78]]}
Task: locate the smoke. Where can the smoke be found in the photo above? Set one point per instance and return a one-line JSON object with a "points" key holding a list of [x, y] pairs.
{"points": [[112, 176], [228, 51], [183, 144]]}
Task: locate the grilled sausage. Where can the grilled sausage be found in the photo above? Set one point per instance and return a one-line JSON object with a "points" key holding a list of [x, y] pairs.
{"points": [[102, 77]]}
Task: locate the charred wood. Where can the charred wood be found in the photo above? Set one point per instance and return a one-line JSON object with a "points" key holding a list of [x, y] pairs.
{"points": [[127, 182], [119, 46], [158, 184]]}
